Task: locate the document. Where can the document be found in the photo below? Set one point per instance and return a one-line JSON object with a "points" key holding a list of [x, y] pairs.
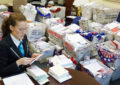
{"points": [[20, 79], [59, 73], [38, 74], [36, 58], [61, 60], [94, 68]]}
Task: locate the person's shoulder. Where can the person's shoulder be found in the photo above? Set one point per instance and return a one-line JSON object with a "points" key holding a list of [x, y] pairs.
{"points": [[4, 41]]}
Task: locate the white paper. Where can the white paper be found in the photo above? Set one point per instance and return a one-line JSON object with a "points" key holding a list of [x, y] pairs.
{"points": [[61, 60], [36, 71], [94, 68], [59, 73], [36, 59], [58, 70], [20, 79]]}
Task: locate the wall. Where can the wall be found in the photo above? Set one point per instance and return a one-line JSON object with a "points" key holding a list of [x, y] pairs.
{"points": [[6, 1], [108, 3]]}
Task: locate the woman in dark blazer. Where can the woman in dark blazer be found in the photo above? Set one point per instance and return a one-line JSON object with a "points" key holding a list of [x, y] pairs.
{"points": [[12, 60]]}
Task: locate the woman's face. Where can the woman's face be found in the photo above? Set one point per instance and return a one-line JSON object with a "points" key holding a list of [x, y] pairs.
{"points": [[19, 30]]}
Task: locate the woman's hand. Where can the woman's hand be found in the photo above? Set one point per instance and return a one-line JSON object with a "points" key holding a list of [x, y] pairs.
{"points": [[24, 61], [35, 55]]}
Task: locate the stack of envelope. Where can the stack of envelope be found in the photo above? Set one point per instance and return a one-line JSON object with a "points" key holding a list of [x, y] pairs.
{"points": [[76, 46], [105, 15], [87, 10], [59, 73], [38, 74], [100, 72], [111, 29], [44, 48], [95, 27], [35, 31], [61, 60], [94, 39], [57, 33], [84, 23], [53, 21]]}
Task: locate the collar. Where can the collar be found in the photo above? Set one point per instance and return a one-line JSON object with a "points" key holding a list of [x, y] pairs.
{"points": [[15, 40]]}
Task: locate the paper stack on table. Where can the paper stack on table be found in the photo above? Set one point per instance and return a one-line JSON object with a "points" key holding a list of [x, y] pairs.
{"points": [[59, 73], [100, 71], [44, 48], [61, 60], [20, 79], [76, 46], [38, 74], [36, 31]]}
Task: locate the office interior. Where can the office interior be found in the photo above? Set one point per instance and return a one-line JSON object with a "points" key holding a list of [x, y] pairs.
{"points": [[77, 35]]}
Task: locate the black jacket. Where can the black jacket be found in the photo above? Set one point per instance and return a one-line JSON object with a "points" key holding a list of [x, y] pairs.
{"points": [[9, 53]]}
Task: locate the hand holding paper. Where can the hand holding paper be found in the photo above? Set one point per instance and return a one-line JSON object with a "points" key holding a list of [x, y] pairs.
{"points": [[36, 58], [35, 55]]}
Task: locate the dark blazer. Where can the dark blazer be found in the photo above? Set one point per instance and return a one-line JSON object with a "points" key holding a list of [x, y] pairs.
{"points": [[9, 53]]}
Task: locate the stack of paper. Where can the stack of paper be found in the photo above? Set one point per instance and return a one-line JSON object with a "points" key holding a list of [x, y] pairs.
{"points": [[61, 60], [21, 79], [35, 31], [76, 41], [29, 11], [53, 21], [104, 15], [111, 29], [100, 71], [96, 67], [45, 48], [95, 27], [38, 74], [87, 10], [59, 73]]}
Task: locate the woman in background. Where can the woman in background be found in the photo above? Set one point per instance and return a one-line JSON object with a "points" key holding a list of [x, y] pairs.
{"points": [[14, 53]]}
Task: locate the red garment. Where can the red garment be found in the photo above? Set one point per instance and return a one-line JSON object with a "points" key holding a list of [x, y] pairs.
{"points": [[55, 11]]}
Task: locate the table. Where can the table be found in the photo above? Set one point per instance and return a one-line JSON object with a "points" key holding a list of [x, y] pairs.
{"points": [[78, 78]]}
